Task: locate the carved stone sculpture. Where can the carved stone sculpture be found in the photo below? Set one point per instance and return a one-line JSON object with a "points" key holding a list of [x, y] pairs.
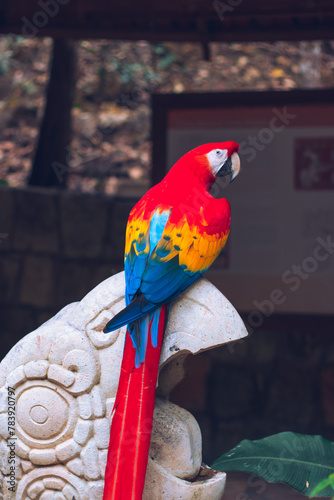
{"points": [[60, 381]]}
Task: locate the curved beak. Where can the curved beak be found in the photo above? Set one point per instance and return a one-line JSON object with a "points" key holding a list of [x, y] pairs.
{"points": [[230, 167]]}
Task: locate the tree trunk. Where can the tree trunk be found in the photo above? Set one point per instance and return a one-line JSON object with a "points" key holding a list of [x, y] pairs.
{"points": [[50, 166]]}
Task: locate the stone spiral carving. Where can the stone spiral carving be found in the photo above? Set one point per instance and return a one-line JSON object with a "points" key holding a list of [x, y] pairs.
{"points": [[55, 483], [63, 379]]}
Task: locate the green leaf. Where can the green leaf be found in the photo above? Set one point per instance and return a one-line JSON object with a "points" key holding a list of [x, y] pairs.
{"points": [[166, 61], [298, 460], [323, 485]]}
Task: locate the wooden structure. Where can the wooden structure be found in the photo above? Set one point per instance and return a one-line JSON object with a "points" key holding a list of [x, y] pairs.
{"points": [[178, 20]]}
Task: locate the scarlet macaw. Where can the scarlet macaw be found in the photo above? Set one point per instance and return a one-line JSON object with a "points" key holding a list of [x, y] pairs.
{"points": [[174, 233]]}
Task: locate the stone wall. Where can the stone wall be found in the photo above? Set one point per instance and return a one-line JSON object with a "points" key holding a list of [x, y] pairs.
{"points": [[270, 382], [56, 246]]}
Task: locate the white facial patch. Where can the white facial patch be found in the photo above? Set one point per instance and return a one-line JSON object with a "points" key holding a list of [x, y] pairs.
{"points": [[217, 158]]}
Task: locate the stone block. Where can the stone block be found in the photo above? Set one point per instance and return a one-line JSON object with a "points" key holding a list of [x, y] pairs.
{"points": [[99, 401], [4, 431], [103, 455], [37, 281], [16, 377], [83, 225], [231, 391], [119, 216], [101, 432], [22, 450], [3, 399], [85, 406], [90, 461], [64, 377], [54, 483], [9, 268], [27, 466], [42, 457], [83, 431], [327, 395], [36, 368], [291, 396], [103, 272], [15, 322], [36, 222], [6, 217], [73, 282], [95, 489], [75, 466], [36, 489], [67, 450]]}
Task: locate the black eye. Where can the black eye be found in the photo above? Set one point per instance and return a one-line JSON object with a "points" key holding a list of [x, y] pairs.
{"points": [[218, 152]]}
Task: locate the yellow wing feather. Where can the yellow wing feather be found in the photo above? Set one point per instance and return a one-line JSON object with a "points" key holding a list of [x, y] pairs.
{"points": [[195, 247]]}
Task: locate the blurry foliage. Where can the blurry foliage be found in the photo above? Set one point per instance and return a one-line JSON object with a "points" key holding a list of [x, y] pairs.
{"points": [[321, 487], [112, 102], [123, 69], [3, 64], [166, 57], [28, 87]]}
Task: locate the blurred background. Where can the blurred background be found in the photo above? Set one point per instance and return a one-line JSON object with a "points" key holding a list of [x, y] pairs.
{"points": [[76, 153]]}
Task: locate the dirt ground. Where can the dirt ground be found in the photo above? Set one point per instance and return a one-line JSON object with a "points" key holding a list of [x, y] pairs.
{"points": [[111, 116]]}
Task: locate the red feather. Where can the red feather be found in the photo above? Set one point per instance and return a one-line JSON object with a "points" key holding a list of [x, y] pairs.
{"points": [[132, 421]]}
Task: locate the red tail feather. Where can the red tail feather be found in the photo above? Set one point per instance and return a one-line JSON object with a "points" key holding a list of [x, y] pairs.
{"points": [[131, 425]]}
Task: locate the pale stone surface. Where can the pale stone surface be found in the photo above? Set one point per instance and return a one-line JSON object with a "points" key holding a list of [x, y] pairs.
{"points": [[22, 450], [65, 376], [54, 483], [42, 457], [36, 368], [161, 485], [85, 406], [83, 431], [75, 466], [101, 431], [16, 377], [95, 489], [99, 401], [35, 489], [3, 400], [103, 454], [4, 431], [90, 460], [27, 466], [59, 374], [176, 441], [66, 451], [74, 486]]}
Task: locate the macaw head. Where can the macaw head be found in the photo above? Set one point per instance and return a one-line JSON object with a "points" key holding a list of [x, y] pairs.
{"points": [[220, 157], [223, 159], [209, 161]]}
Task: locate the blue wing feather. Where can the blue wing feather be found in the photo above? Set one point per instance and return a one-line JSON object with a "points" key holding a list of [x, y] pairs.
{"points": [[157, 226], [150, 282]]}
